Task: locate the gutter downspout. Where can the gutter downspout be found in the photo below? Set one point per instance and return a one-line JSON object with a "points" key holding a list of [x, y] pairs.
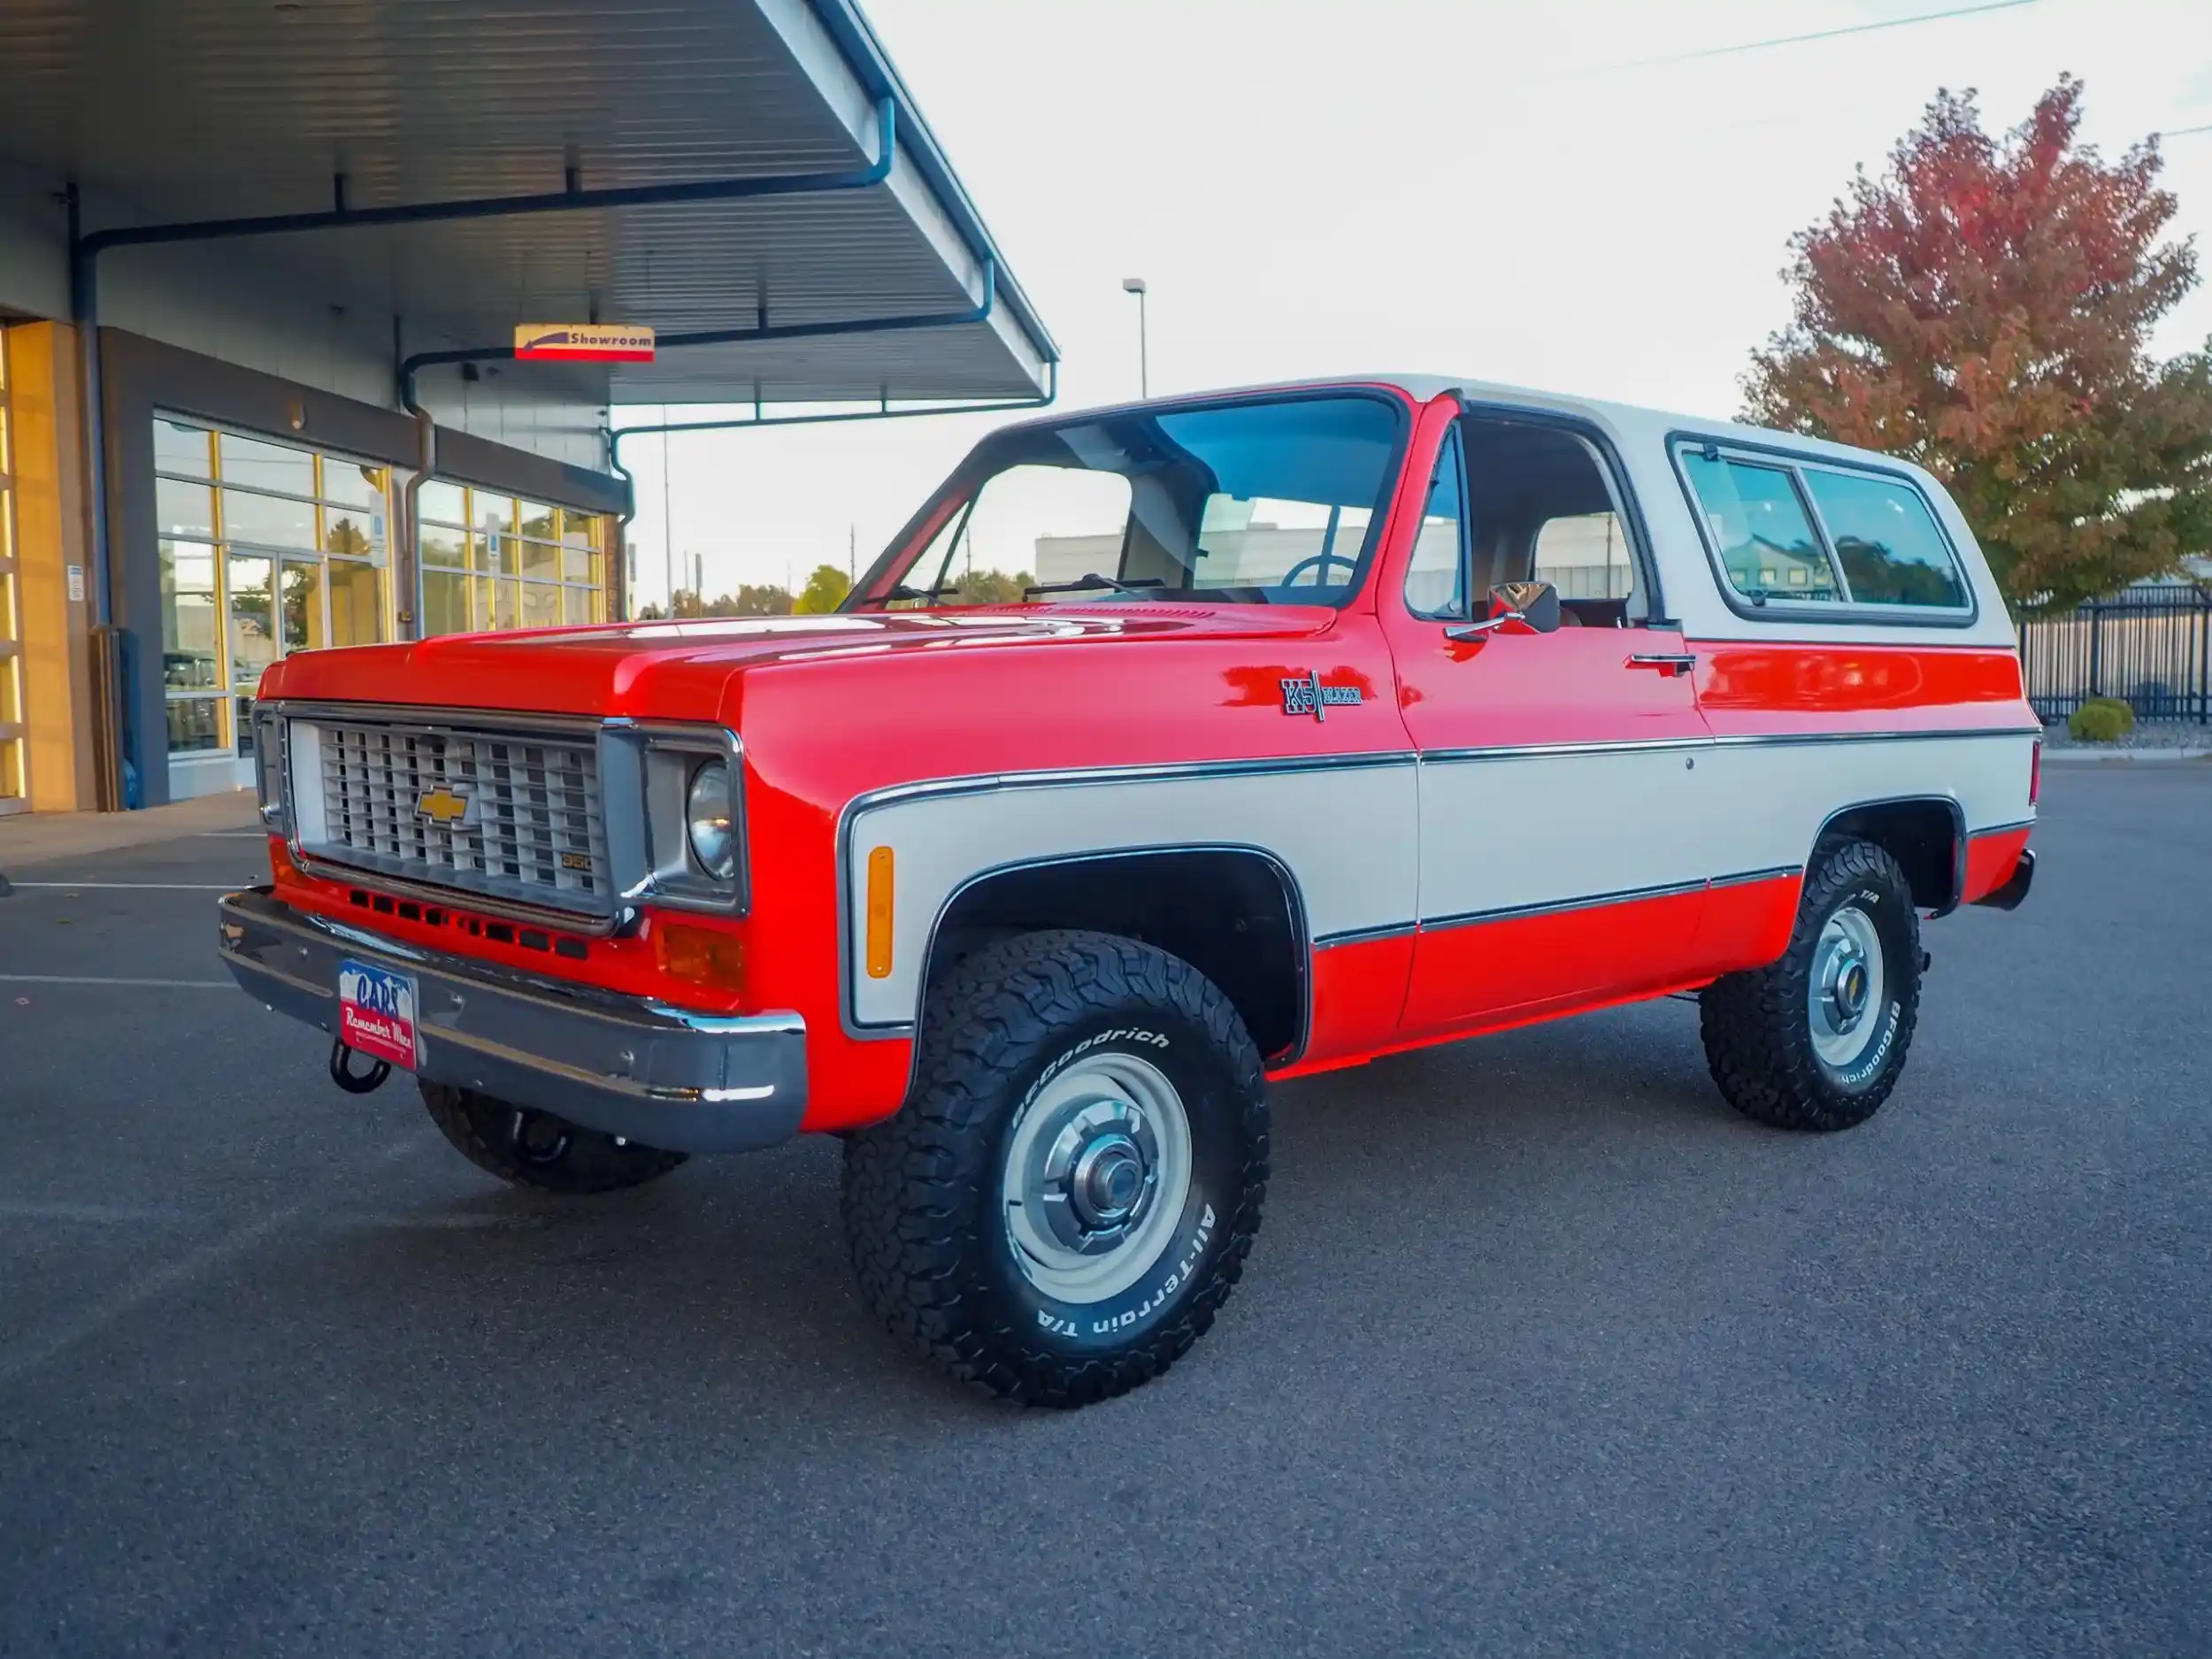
{"points": [[404, 536], [111, 740]]}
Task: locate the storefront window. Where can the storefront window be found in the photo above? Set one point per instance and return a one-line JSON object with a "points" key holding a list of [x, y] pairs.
{"points": [[490, 562], [265, 549]]}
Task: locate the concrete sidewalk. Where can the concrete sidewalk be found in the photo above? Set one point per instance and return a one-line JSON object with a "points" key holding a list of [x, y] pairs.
{"points": [[34, 838]]}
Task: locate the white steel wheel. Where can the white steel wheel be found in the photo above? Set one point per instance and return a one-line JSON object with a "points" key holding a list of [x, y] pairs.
{"points": [[1096, 1174], [1844, 994]]}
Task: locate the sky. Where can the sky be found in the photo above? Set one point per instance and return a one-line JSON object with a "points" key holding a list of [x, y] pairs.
{"points": [[1590, 196]]}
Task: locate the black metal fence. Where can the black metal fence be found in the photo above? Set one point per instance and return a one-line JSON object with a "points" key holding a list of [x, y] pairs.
{"points": [[2151, 648]]}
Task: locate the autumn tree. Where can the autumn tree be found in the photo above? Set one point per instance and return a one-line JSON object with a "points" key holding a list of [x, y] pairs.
{"points": [[826, 590], [1984, 309]]}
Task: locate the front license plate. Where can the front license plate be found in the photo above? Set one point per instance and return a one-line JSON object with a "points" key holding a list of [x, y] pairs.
{"points": [[376, 1012]]}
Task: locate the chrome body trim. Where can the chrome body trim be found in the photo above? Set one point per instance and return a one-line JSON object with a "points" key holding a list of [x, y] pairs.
{"points": [[1778, 872], [1552, 907], [1365, 936], [664, 1077]]}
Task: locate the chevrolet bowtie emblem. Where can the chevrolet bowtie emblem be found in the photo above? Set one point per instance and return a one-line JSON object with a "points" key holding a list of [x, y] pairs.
{"points": [[444, 806]]}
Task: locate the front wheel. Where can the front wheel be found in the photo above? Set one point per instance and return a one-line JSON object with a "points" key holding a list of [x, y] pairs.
{"points": [[1064, 1201], [1816, 1041]]}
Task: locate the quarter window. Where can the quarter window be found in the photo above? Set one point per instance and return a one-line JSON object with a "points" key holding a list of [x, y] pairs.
{"points": [[1889, 547], [1436, 576], [1767, 545]]}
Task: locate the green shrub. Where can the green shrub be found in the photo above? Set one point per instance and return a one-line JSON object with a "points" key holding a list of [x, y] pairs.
{"points": [[2101, 720]]}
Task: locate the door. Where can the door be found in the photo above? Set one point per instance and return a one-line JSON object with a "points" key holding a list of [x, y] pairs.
{"points": [[1560, 791]]}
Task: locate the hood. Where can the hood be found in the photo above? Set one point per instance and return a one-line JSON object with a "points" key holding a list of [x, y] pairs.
{"points": [[681, 670]]}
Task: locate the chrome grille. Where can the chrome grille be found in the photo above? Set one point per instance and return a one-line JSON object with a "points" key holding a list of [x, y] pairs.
{"points": [[511, 815]]}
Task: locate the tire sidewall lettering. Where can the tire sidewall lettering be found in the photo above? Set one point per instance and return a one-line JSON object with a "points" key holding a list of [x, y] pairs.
{"points": [[1881, 909], [1192, 1250]]}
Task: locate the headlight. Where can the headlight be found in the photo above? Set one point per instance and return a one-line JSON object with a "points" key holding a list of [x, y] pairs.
{"points": [[708, 815]]}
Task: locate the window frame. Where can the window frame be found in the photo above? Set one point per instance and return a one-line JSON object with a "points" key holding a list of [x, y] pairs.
{"points": [[1845, 610], [958, 492], [1454, 447], [483, 547]]}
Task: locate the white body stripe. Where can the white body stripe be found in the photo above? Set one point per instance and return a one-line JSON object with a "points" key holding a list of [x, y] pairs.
{"points": [[1373, 847], [1768, 801], [1346, 834], [1503, 831]]}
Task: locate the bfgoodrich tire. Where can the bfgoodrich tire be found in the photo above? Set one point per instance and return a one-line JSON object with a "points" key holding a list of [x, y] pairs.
{"points": [[1816, 1041], [535, 1149], [1069, 1192]]}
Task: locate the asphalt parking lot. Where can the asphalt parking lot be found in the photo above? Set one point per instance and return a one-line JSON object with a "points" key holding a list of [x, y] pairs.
{"points": [[1542, 1348]]}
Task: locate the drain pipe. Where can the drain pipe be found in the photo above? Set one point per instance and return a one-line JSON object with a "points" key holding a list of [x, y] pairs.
{"points": [[610, 438], [111, 710], [405, 535]]}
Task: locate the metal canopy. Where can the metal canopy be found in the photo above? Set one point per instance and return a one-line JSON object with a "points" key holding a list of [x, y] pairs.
{"points": [[168, 110]]}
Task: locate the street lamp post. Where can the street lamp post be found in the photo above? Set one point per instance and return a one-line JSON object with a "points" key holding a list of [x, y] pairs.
{"points": [[1135, 284]]}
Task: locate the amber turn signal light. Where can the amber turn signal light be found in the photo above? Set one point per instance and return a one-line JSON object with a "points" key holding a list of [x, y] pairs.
{"points": [[704, 954], [879, 909]]}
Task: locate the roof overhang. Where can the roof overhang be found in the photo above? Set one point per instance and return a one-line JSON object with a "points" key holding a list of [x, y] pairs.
{"points": [[166, 111]]}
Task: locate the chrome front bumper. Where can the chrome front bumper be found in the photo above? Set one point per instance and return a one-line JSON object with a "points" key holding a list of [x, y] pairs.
{"points": [[626, 1065]]}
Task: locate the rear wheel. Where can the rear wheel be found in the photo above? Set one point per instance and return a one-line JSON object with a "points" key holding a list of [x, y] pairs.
{"points": [[1066, 1201], [535, 1149], [1818, 1039]]}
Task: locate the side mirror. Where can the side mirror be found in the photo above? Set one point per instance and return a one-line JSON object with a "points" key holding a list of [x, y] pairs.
{"points": [[1515, 608]]}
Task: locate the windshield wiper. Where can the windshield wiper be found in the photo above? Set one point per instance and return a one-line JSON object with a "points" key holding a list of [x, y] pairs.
{"points": [[900, 590], [1088, 581]]}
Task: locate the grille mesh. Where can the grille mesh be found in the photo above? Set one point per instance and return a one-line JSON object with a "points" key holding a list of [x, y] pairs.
{"points": [[532, 828]]}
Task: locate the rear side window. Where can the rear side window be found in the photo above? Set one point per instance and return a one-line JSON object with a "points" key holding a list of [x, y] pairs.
{"points": [[1758, 524], [1889, 547]]}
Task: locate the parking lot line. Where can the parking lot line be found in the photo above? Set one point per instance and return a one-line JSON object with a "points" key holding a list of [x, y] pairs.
{"points": [[133, 887], [21, 1358], [92, 979], [96, 1215]]}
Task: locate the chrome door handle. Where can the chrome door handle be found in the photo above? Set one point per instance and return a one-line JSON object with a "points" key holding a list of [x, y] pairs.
{"points": [[1669, 666]]}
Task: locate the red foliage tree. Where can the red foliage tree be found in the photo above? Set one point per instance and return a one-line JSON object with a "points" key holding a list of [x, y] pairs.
{"points": [[1983, 309]]}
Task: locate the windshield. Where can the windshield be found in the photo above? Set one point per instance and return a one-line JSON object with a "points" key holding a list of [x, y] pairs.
{"points": [[1269, 502]]}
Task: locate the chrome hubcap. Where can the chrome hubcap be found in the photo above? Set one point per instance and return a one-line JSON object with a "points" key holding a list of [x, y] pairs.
{"points": [[1098, 1167], [1847, 985], [1099, 1172]]}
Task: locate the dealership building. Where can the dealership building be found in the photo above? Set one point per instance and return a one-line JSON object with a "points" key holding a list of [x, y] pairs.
{"points": [[263, 268]]}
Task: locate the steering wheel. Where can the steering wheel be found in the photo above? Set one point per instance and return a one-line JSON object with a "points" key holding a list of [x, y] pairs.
{"points": [[1320, 563]]}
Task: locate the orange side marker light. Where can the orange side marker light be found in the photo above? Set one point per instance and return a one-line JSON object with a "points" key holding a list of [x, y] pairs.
{"points": [[880, 906]]}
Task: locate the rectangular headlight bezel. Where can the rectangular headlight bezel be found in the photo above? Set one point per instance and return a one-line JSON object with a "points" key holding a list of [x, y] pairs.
{"points": [[651, 763]]}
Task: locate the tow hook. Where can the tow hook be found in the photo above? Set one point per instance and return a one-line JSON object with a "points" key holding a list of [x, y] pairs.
{"points": [[345, 1077]]}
